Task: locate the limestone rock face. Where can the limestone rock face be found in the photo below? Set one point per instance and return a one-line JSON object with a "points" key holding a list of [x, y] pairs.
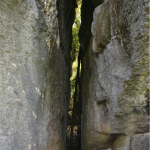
{"points": [[116, 75], [34, 74], [140, 141], [101, 27]]}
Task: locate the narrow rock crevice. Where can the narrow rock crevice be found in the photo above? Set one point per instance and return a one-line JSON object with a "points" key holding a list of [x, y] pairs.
{"points": [[112, 90]]}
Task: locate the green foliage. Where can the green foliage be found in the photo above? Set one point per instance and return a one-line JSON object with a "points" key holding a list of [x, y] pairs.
{"points": [[75, 31], [75, 45], [74, 54]]}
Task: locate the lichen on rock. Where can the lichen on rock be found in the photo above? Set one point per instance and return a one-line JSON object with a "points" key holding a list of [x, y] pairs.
{"points": [[116, 75]]}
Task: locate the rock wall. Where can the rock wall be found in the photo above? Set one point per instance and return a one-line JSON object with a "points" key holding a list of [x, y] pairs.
{"points": [[115, 75], [34, 73]]}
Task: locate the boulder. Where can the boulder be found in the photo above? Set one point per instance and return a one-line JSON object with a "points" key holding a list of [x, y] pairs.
{"points": [[116, 75], [34, 74]]}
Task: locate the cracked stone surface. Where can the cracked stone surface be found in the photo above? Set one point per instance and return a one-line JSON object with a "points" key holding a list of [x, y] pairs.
{"points": [[34, 74], [116, 75]]}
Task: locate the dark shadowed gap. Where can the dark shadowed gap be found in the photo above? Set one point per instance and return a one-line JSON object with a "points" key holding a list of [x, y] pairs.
{"points": [[73, 133]]}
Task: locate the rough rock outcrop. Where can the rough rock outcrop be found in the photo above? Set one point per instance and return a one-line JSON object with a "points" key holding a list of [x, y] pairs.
{"points": [[34, 73], [115, 75]]}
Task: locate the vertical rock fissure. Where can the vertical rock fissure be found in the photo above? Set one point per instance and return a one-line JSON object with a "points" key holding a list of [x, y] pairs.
{"points": [[84, 38], [111, 86], [74, 113]]}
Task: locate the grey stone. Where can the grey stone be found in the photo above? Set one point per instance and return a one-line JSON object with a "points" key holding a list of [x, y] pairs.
{"points": [[116, 76], [34, 74], [101, 27], [140, 142]]}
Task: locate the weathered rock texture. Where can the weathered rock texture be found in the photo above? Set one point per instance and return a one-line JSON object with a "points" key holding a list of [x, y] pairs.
{"points": [[34, 73], [115, 75]]}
